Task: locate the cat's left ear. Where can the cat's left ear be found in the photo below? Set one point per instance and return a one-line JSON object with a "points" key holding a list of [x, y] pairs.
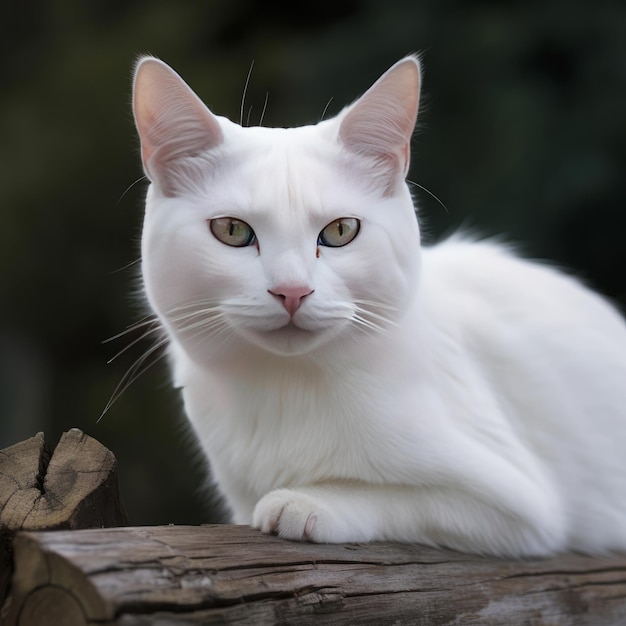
{"points": [[379, 125], [174, 126]]}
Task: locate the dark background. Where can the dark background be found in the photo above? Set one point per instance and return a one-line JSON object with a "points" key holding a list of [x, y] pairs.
{"points": [[523, 132]]}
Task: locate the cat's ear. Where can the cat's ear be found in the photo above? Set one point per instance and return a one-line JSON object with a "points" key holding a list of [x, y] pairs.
{"points": [[173, 125], [380, 123]]}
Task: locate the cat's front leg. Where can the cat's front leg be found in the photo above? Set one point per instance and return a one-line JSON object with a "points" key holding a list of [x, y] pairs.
{"points": [[445, 516], [313, 514]]}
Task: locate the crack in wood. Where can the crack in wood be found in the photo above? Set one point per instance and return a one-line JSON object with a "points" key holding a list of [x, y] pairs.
{"points": [[565, 572], [44, 460]]}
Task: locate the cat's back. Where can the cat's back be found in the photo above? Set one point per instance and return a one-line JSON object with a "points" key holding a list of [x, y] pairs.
{"points": [[469, 280], [548, 346], [538, 334]]}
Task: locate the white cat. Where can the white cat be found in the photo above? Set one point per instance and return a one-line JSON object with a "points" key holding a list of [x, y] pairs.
{"points": [[347, 385]]}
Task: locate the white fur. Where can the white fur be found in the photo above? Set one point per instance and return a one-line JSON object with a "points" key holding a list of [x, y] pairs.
{"points": [[454, 395]]}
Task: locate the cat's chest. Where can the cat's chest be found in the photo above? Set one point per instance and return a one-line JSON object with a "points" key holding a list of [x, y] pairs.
{"points": [[275, 431]]}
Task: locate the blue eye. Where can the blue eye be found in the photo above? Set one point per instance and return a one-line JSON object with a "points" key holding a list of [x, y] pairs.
{"points": [[339, 233], [232, 232]]}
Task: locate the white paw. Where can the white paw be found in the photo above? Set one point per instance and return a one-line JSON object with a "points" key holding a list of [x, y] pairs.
{"points": [[297, 516]]}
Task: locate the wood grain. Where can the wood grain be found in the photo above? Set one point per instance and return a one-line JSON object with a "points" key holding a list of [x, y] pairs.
{"points": [[234, 575]]}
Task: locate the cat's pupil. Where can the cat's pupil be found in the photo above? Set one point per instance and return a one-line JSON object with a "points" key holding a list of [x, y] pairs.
{"points": [[340, 232], [232, 232]]}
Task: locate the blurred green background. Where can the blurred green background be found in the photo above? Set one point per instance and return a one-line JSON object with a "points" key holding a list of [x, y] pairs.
{"points": [[523, 132]]}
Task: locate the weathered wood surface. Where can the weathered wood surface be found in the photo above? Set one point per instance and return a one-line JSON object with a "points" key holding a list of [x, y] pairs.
{"points": [[74, 486], [234, 575]]}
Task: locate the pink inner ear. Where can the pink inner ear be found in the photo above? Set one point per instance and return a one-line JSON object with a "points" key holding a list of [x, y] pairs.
{"points": [[172, 122], [379, 125]]}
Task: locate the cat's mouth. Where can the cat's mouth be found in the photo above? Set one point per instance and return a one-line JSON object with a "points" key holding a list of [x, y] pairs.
{"points": [[287, 340], [288, 328]]}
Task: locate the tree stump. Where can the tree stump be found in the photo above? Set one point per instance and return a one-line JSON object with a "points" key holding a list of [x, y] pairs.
{"points": [[233, 575], [75, 486]]}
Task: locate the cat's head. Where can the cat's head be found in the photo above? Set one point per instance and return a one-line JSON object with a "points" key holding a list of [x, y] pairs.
{"points": [[287, 239]]}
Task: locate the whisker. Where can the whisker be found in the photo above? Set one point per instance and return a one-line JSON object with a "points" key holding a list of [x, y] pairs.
{"points": [[243, 97], [377, 305], [200, 318], [356, 330], [207, 324], [129, 188], [376, 316], [132, 374], [430, 193], [197, 305], [143, 336], [366, 323], [125, 267], [267, 95], [203, 314], [215, 330], [326, 108], [366, 317], [149, 319]]}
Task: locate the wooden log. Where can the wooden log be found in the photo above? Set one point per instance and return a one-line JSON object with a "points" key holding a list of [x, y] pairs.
{"points": [[75, 486], [179, 575]]}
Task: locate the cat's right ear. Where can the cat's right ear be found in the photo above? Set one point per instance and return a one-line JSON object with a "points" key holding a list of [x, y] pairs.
{"points": [[173, 124]]}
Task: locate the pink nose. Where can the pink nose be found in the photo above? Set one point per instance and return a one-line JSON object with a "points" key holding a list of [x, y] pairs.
{"points": [[291, 297]]}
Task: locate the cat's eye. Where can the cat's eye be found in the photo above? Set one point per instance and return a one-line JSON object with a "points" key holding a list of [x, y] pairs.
{"points": [[339, 233], [232, 232]]}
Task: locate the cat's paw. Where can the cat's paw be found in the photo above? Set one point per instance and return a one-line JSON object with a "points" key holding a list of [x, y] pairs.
{"points": [[298, 516]]}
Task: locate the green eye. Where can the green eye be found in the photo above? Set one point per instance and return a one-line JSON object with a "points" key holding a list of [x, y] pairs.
{"points": [[232, 232], [339, 233]]}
